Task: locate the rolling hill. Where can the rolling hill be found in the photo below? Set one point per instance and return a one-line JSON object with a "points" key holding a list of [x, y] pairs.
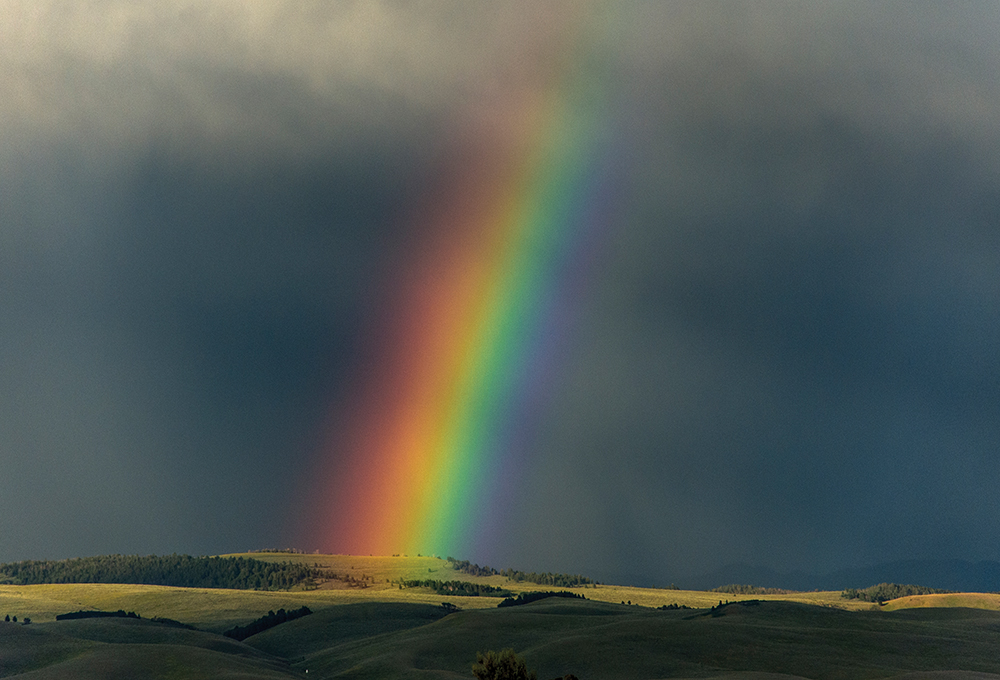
{"points": [[365, 625], [957, 575]]}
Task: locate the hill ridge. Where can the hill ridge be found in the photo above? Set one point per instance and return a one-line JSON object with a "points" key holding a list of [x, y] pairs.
{"points": [[944, 574]]}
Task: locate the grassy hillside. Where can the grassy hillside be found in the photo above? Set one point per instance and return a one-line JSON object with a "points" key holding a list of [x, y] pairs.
{"points": [[127, 648], [365, 626], [592, 640], [384, 571], [989, 601], [343, 625], [217, 609], [600, 640]]}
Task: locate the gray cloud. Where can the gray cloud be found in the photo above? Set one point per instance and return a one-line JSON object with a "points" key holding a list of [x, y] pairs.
{"points": [[785, 353]]}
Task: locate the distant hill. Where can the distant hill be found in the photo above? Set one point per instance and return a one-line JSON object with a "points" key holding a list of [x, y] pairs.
{"points": [[164, 570], [957, 575]]}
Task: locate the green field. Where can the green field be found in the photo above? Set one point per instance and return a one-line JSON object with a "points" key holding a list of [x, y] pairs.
{"points": [[382, 631]]}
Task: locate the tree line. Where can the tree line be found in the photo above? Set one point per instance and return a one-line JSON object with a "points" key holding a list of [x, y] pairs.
{"points": [[740, 589], [541, 578], [457, 588], [467, 567], [351, 580], [168, 570], [883, 592], [525, 598], [546, 578], [269, 620], [93, 614]]}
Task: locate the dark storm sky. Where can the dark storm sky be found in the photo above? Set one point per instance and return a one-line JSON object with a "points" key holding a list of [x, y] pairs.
{"points": [[787, 356]]}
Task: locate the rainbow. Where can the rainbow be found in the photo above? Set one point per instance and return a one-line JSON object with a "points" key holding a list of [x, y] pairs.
{"points": [[468, 347]]}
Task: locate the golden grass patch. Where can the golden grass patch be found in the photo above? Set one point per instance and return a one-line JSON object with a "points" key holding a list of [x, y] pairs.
{"points": [[219, 608]]}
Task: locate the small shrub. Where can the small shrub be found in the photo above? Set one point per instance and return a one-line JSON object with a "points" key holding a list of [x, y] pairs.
{"points": [[502, 665]]}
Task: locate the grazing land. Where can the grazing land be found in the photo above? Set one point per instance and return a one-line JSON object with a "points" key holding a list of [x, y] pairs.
{"points": [[989, 601], [366, 624]]}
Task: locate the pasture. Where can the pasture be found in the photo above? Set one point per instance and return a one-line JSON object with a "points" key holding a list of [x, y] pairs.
{"points": [[370, 628]]}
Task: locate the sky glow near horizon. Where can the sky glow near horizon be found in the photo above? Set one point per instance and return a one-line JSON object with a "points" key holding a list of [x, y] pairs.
{"points": [[765, 332]]}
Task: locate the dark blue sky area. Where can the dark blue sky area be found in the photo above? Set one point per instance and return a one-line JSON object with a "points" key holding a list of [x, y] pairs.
{"points": [[786, 354]]}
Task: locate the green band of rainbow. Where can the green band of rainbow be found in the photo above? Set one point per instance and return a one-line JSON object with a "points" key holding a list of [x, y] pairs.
{"points": [[447, 404]]}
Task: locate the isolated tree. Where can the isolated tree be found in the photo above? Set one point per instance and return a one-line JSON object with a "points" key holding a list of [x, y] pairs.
{"points": [[502, 665], [7, 618]]}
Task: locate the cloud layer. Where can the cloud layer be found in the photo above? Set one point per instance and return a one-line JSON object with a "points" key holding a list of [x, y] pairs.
{"points": [[787, 351]]}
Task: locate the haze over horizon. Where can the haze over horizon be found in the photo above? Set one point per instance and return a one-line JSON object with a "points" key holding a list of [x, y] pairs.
{"points": [[783, 345]]}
